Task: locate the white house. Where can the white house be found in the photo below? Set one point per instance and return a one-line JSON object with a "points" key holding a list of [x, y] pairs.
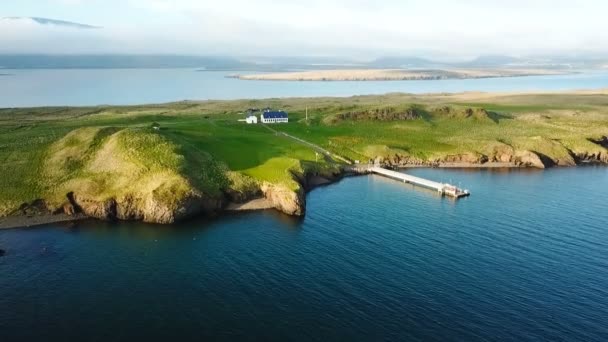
{"points": [[251, 119], [270, 116]]}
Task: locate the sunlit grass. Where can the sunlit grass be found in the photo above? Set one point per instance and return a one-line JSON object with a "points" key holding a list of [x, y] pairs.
{"points": [[113, 150]]}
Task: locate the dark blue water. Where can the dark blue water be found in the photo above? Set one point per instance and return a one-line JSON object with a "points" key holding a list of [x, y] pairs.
{"points": [[28, 88], [524, 258]]}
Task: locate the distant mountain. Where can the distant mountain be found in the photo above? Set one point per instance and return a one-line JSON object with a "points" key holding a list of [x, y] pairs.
{"points": [[35, 61], [403, 62], [545, 62], [492, 61], [52, 22]]}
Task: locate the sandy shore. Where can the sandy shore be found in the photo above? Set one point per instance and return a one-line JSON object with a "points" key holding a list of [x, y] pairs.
{"points": [[256, 204], [394, 74]]}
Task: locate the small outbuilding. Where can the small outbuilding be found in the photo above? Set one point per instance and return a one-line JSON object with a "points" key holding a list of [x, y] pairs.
{"points": [[251, 119]]}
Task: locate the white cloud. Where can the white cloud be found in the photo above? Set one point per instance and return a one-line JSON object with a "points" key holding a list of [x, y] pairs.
{"points": [[339, 27]]}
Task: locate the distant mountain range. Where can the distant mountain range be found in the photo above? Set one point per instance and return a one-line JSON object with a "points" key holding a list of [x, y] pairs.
{"points": [[202, 63], [35, 61], [495, 61], [248, 63], [53, 22]]}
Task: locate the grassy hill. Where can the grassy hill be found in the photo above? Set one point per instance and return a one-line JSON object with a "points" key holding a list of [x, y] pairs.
{"points": [[111, 156]]}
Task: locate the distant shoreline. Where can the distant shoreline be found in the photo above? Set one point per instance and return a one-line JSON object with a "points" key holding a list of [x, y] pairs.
{"points": [[395, 74]]}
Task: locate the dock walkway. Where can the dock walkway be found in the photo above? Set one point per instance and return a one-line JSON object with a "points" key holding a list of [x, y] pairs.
{"points": [[443, 188]]}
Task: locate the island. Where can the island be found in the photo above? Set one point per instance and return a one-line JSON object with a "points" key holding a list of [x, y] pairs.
{"points": [[396, 74], [167, 162]]}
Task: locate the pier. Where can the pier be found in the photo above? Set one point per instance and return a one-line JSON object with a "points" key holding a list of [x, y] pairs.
{"points": [[443, 188]]}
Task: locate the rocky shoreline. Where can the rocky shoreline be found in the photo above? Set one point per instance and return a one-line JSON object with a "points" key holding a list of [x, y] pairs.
{"points": [[271, 197], [77, 208]]}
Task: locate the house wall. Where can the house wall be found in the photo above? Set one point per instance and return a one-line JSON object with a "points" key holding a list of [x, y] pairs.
{"points": [[275, 120]]}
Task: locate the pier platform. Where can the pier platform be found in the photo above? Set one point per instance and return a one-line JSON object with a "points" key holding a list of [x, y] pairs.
{"points": [[444, 188]]}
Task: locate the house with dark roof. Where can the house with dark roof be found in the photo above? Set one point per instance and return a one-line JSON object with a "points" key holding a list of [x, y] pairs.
{"points": [[274, 116]]}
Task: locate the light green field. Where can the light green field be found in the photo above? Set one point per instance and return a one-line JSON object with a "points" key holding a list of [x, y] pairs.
{"points": [[203, 144]]}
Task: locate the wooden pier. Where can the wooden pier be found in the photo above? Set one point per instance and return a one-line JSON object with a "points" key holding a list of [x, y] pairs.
{"points": [[443, 188]]}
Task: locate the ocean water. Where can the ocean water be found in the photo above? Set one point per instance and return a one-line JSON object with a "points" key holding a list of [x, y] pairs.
{"points": [[56, 87], [523, 259]]}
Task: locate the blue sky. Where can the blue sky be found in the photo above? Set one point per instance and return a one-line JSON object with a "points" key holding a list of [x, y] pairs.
{"points": [[364, 28]]}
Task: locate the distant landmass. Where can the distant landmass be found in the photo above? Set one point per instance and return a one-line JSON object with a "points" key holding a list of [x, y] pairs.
{"points": [[118, 62], [285, 64], [396, 74], [494, 61]]}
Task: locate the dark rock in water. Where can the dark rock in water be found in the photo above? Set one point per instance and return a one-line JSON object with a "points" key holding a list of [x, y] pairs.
{"points": [[2, 252]]}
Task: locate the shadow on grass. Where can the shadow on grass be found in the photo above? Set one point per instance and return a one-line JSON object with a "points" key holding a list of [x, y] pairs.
{"points": [[497, 117]]}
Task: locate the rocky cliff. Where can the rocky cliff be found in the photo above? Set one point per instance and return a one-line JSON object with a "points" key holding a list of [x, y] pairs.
{"points": [[552, 154]]}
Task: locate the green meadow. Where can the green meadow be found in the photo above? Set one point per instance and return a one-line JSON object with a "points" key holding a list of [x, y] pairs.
{"points": [[46, 151]]}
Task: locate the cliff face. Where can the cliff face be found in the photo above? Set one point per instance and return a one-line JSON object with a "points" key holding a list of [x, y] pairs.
{"points": [[143, 209], [113, 174], [501, 156], [510, 159], [285, 200]]}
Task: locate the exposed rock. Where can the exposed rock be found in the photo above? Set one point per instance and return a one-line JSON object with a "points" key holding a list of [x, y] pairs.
{"points": [[502, 154], [242, 188], [241, 196], [105, 210], [314, 179], [283, 199], [468, 158], [399, 160], [528, 159], [589, 157], [35, 208], [68, 209], [147, 209]]}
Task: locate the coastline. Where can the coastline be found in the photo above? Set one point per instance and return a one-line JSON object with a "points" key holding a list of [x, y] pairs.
{"points": [[394, 74], [468, 131], [261, 203], [31, 221]]}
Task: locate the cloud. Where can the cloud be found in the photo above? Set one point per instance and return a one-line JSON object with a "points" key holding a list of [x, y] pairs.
{"points": [[435, 28]]}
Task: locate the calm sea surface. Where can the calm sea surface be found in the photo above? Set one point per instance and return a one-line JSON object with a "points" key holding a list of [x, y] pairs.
{"points": [[27, 88], [524, 258]]}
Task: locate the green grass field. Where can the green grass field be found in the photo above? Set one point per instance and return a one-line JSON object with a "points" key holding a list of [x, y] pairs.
{"points": [[204, 143]]}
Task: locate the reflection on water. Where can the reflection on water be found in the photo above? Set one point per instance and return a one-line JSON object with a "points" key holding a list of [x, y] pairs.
{"points": [[196, 225]]}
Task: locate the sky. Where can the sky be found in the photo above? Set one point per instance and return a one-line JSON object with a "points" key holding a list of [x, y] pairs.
{"points": [[442, 29]]}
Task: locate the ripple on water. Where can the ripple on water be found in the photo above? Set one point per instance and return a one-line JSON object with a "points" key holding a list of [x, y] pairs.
{"points": [[523, 258]]}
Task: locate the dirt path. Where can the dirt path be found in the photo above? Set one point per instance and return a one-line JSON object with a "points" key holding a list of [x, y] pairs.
{"points": [[329, 157]]}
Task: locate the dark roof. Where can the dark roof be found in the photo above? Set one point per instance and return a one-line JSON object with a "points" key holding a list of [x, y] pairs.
{"points": [[275, 114]]}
